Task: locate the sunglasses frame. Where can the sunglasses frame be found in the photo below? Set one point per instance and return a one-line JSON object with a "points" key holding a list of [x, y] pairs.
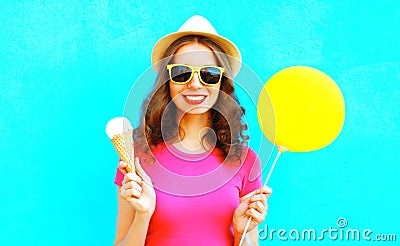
{"points": [[194, 69]]}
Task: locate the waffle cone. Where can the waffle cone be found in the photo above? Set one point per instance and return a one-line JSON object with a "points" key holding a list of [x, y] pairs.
{"points": [[123, 144]]}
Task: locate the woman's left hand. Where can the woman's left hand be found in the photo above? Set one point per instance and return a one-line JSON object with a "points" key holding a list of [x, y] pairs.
{"points": [[253, 204]]}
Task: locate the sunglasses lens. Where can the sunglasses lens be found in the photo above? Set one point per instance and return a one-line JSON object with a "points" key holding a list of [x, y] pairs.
{"points": [[210, 75], [180, 74]]}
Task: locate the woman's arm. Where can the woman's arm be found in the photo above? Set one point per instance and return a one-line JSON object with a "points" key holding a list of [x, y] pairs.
{"points": [[252, 205], [125, 217], [251, 238], [131, 229], [136, 204]]}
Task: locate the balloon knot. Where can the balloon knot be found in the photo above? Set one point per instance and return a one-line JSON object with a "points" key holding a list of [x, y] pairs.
{"points": [[282, 148]]}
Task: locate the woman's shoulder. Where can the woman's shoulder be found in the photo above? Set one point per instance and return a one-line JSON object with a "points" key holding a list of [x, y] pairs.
{"points": [[249, 154], [251, 162], [252, 165]]}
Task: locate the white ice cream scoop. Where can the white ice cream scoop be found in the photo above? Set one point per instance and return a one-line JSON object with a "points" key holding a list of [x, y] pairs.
{"points": [[119, 130], [117, 125]]}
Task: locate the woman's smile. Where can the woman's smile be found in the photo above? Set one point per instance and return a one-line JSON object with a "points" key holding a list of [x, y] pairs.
{"points": [[194, 98]]}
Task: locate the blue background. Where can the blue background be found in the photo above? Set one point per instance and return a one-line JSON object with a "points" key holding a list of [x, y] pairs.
{"points": [[66, 68]]}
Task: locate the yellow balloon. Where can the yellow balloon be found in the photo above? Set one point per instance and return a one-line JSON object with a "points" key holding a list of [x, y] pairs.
{"points": [[301, 109]]}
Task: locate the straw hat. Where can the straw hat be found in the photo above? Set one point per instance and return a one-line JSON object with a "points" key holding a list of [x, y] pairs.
{"points": [[198, 25]]}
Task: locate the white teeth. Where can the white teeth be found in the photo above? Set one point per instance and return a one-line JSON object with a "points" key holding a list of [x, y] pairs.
{"points": [[195, 98]]}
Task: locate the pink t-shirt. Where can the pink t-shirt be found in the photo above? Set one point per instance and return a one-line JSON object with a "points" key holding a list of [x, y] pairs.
{"points": [[196, 195]]}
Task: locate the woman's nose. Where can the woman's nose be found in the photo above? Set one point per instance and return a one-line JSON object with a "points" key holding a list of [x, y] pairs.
{"points": [[195, 81]]}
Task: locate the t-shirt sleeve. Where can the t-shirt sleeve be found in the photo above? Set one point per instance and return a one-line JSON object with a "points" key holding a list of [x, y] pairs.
{"points": [[119, 176], [252, 178]]}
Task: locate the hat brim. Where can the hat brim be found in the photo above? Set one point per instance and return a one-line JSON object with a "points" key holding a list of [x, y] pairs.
{"points": [[229, 48]]}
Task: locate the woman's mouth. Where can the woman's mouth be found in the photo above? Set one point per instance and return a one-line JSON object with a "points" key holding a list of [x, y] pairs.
{"points": [[194, 99]]}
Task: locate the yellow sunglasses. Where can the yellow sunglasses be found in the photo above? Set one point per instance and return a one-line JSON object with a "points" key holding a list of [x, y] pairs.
{"points": [[182, 73]]}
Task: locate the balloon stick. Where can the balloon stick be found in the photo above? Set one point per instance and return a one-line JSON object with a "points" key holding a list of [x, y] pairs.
{"points": [[281, 150]]}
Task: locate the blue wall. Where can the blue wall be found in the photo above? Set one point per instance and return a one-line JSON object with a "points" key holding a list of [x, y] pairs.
{"points": [[66, 68]]}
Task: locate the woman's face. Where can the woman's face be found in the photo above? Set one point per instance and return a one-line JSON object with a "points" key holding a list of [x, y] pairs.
{"points": [[194, 97]]}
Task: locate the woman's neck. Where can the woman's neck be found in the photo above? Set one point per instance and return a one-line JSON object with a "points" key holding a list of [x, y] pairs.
{"points": [[194, 127]]}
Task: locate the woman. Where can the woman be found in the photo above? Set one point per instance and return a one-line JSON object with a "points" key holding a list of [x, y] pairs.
{"points": [[191, 185]]}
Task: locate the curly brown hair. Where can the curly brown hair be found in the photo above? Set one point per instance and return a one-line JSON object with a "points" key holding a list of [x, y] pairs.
{"points": [[158, 113]]}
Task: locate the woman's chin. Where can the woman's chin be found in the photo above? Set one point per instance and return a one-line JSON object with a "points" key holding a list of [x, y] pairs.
{"points": [[198, 110]]}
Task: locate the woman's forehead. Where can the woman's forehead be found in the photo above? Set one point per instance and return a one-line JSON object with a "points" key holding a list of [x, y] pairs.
{"points": [[195, 54]]}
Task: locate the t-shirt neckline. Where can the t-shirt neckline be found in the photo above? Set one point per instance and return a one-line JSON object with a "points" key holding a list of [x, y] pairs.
{"points": [[193, 156]]}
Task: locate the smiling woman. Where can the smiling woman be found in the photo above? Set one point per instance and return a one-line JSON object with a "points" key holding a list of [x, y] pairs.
{"points": [[191, 182]]}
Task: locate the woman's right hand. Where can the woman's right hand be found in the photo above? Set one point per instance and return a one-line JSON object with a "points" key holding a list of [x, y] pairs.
{"points": [[137, 189]]}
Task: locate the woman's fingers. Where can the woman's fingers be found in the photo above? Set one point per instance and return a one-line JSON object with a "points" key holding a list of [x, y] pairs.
{"points": [[122, 166], [265, 190], [261, 195], [248, 196], [257, 204], [260, 206], [258, 197], [132, 177], [256, 215], [133, 181], [130, 193], [132, 189], [133, 185], [259, 201], [258, 211]]}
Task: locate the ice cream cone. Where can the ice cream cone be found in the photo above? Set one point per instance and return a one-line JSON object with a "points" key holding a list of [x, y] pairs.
{"points": [[123, 144]]}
